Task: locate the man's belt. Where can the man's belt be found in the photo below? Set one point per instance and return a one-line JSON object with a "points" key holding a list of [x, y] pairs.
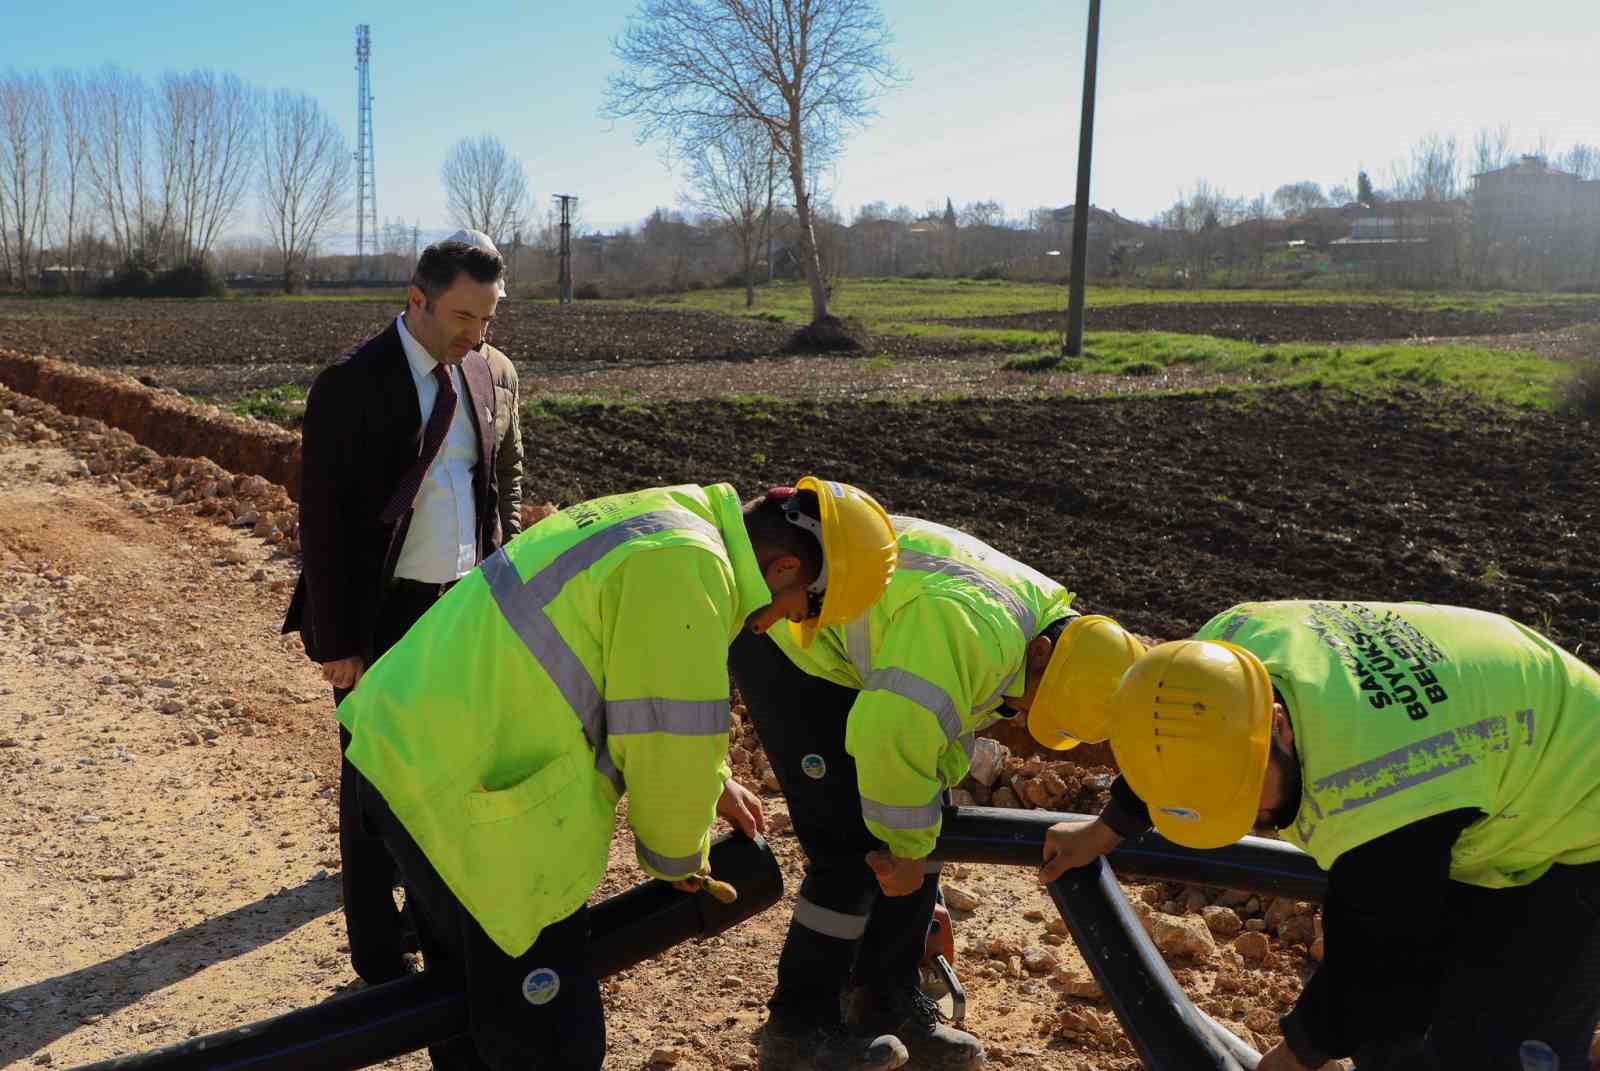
{"points": [[420, 587]]}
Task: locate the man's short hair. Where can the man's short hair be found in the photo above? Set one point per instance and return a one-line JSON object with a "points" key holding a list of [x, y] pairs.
{"points": [[443, 262], [767, 526]]}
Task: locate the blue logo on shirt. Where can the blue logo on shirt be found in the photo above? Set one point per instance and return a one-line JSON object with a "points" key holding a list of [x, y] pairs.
{"points": [[541, 986], [814, 767]]}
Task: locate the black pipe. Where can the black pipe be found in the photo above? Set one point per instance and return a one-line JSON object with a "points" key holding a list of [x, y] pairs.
{"points": [[385, 1021], [1170, 1033], [1016, 838]]}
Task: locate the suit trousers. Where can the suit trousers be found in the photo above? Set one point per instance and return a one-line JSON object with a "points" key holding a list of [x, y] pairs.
{"points": [[541, 1009], [374, 927], [845, 930]]}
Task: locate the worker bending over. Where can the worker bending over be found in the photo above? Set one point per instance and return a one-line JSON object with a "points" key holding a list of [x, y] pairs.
{"points": [[586, 658], [865, 724], [1442, 764]]}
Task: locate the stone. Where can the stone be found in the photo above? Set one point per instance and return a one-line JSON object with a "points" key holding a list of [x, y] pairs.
{"points": [[960, 899], [1233, 898], [960, 797], [1034, 792], [1077, 983], [1255, 925], [988, 759], [1315, 951], [1299, 930], [1004, 797], [1184, 935], [1033, 914], [664, 1057], [1056, 926], [1279, 911], [1053, 784], [1053, 939], [1252, 945], [1195, 900], [1223, 921], [769, 777], [1039, 960]]}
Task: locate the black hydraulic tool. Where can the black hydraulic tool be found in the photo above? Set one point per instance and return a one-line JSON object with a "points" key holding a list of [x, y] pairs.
{"points": [[385, 1021], [1169, 1032]]}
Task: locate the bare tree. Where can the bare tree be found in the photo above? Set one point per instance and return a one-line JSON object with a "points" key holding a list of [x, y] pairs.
{"points": [[982, 214], [806, 70], [1491, 149], [1295, 200], [206, 126], [26, 133], [732, 181], [1434, 171], [72, 122], [305, 179], [1581, 160], [486, 187], [119, 105]]}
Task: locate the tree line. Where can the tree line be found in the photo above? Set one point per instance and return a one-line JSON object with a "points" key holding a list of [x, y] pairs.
{"points": [[109, 168]]}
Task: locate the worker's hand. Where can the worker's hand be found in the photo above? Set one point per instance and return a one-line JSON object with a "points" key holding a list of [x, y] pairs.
{"points": [[1282, 1058], [941, 938], [692, 883], [343, 672], [742, 808], [896, 876], [1068, 845]]}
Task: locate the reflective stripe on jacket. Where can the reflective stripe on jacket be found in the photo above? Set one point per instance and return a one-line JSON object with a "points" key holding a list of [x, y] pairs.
{"points": [[932, 660], [1402, 711], [586, 657]]}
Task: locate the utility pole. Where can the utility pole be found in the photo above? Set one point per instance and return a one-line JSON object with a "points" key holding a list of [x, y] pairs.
{"points": [[516, 250], [414, 251], [564, 277], [1072, 345], [366, 170]]}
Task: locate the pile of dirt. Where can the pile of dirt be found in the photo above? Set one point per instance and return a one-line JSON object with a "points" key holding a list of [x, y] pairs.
{"points": [[159, 420], [1270, 322]]}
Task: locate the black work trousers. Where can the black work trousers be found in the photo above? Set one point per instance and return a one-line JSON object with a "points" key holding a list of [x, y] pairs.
{"points": [[374, 927], [539, 1010], [1521, 967], [844, 930]]}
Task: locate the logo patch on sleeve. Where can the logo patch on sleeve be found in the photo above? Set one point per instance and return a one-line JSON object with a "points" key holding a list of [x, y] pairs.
{"points": [[541, 986], [814, 767]]}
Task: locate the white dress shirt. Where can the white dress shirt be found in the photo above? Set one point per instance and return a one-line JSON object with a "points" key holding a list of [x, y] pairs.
{"points": [[441, 543]]}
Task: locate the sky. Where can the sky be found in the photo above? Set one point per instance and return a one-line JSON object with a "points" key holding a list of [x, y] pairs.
{"points": [[1245, 95]]}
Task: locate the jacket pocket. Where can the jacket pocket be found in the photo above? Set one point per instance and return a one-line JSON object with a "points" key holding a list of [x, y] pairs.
{"points": [[530, 793]]}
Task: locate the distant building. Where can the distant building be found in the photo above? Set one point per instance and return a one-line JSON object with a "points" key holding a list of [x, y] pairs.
{"points": [[1531, 199]]}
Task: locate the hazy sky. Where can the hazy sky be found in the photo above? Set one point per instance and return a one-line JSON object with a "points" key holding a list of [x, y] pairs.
{"points": [[1247, 94]]}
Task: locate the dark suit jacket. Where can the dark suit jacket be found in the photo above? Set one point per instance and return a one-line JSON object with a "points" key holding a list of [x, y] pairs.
{"points": [[363, 431]]}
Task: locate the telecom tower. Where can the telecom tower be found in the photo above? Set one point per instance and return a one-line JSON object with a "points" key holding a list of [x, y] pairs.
{"points": [[366, 172]]}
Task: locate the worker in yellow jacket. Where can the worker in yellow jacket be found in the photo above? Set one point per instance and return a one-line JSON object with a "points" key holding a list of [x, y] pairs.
{"points": [[1442, 764], [585, 659], [865, 727]]}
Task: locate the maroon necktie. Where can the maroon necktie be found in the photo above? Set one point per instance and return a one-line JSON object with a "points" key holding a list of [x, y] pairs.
{"points": [[444, 407]]}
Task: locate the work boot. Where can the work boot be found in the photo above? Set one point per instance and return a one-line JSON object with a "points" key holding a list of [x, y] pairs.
{"points": [[913, 1017], [798, 1041]]}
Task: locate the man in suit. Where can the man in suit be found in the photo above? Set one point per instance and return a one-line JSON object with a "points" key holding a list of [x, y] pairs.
{"points": [[399, 499]]}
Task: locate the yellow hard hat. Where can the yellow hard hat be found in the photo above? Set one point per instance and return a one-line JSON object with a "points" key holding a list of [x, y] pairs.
{"points": [[1089, 659], [1191, 724], [859, 553]]}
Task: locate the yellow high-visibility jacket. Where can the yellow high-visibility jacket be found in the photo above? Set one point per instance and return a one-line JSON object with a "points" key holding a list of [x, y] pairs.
{"points": [[585, 658], [933, 660]]}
